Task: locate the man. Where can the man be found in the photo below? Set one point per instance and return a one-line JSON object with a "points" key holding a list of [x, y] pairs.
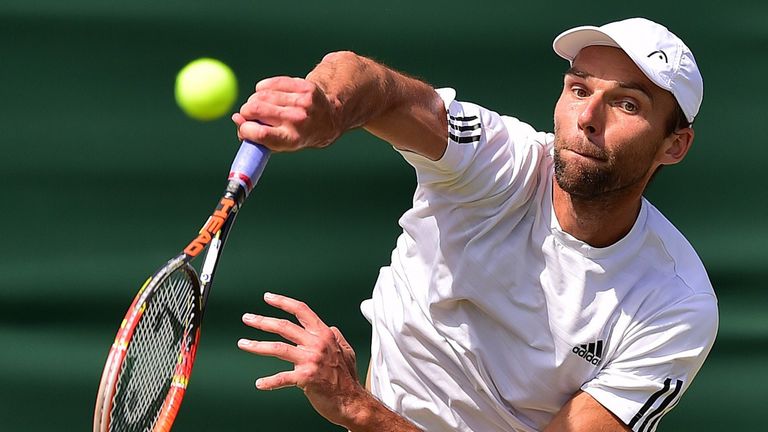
{"points": [[533, 287]]}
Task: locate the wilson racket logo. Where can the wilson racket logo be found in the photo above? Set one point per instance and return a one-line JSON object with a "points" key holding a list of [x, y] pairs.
{"points": [[211, 227]]}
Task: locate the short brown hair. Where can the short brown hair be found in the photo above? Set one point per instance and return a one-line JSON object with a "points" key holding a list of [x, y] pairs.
{"points": [[677, 120]]}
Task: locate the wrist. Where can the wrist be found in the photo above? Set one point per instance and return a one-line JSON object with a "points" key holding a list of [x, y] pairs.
{"points": [[359, 410], [367, 414], [336, 119], [351, 85], [330, 113]]}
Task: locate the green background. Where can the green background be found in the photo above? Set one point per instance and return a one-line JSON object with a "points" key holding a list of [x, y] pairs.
{"points": [[102, 179]]}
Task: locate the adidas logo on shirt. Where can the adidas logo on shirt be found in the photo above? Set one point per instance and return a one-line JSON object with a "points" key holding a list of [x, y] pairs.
{"points": [[592, 352]]}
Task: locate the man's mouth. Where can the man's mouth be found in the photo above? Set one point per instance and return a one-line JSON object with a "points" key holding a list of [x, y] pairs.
{"points": [[588, 155]]}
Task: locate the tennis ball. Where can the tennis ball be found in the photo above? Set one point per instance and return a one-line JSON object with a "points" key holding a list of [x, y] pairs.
{"points": [[206, 89]]}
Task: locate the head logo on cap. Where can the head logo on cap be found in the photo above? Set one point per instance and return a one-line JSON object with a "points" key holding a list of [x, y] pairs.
{"points": [[659, 54]]}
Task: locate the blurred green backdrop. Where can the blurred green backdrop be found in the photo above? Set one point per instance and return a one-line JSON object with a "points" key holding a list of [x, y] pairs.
{"points": [[102, 179]]}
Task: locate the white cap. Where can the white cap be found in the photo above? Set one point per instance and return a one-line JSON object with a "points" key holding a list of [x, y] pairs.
{"points": [[661, 55]]}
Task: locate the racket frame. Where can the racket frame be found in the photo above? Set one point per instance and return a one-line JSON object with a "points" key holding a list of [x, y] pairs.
{"points": [[222, 218]]}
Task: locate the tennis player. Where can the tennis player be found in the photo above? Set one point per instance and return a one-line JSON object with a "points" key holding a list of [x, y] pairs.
{"points": [[533, 286]]}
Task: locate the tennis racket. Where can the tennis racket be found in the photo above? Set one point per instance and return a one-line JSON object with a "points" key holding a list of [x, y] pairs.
{"points": [[150, 362]]}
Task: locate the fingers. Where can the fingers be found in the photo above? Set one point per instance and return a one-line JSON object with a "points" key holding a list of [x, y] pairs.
{"points": [[287, 114], [284, 83], [323, 360], [275, 128], [278, 101], [340, 338], [276, 109], [284, 328], [280, 350], [348, 353], [278, 381], [270, 124], [282, 98], [306, 316], [275, 138]]}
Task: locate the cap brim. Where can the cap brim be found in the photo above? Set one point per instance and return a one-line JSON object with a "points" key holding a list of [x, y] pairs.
{"points": [[568, 44]]}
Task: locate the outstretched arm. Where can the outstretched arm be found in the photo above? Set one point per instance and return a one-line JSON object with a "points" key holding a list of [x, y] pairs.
{"points": [[324, 368], [343, 92]]}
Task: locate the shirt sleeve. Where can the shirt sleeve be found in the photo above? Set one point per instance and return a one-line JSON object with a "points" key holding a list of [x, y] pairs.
{"points": [[486, 153], [657, 362]]}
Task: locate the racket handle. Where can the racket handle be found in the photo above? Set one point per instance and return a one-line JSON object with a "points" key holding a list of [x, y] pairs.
{"points": [[249, 164]]}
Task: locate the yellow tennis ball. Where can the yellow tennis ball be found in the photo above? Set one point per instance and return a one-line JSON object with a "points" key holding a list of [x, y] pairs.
{"points": [[206, 89]]}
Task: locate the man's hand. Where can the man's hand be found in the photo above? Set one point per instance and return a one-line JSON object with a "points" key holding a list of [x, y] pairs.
{"points": [[287, 114], [323, 367], [345, 91], [324, 362]]}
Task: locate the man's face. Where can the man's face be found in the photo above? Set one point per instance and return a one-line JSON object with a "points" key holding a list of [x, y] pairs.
{"points": [[609, 125]]}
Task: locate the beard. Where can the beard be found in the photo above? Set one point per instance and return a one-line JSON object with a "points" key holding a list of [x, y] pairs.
{"points": [[593, 181], [584, 182]]}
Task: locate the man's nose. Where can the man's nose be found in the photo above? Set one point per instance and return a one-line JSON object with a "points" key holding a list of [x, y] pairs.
{"points": [[591, 118]]}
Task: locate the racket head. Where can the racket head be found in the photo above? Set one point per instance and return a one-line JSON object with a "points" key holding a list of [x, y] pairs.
{"points": [[151, 359]]}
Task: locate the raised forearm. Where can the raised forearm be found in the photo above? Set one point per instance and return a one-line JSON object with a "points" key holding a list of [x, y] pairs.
{"points": [[343, 92], [359, 88], [402, 110]]}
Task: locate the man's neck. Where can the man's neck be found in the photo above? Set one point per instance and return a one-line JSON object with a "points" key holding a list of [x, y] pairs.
{"points": [[598, 222]]}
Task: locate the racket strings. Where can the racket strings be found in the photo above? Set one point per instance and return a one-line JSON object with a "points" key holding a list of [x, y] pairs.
{"points": [[153, 353]]}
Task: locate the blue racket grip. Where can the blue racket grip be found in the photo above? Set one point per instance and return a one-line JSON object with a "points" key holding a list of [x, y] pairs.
{"points": [[248, 165]]}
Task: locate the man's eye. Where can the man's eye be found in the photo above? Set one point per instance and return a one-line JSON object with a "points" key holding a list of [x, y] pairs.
{"points": [[628, 106], [579, 92]]}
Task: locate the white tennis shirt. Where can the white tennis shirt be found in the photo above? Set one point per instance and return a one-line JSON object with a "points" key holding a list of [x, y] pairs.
{"points": [[490, 317]]}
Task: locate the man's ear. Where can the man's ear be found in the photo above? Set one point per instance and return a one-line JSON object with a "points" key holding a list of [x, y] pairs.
{"points": [[676, 146]]}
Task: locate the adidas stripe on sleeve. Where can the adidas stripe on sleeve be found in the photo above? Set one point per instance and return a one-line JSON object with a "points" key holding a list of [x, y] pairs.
{"points": [[658, 360], [464, 129], [486, 153], [656, 406]]}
